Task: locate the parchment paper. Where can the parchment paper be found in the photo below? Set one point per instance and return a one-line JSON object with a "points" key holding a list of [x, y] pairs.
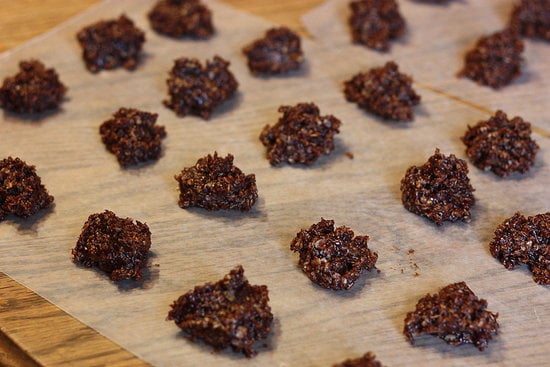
{"points": [[432, 51], [313, 326]]}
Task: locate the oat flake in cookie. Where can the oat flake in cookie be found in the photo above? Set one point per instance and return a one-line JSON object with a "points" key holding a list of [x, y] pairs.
{"points": [[531, 18], [34, 89], [301, 135], [495, 61], [524, 240], [196, 89], [182, 18], [21, 190], [132, 136], [333, 258], [229, 313], [214, 183], [117, 246], [367, 360], [279, 52], [383, 91], [501, 145], [439, 190], [374, 23], [111, 44], [455, 314]]}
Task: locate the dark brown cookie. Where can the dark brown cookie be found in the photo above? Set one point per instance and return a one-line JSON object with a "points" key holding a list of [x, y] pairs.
{"points": [[111, 44], [198, 90], [520, 240], [455, 314], [34, 89], [333, 257], [182, 18], [383, 91], [531, 18], [278, 52], [374, 23], [367, 360], [495, 61], [501, 145], [301, 135], [132, 136], [21, 190], [439, 190], [214, 183], [229, 313], [117, 246]]}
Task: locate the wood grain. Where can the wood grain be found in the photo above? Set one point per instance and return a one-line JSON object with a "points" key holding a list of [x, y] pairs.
{"points": [[49, 335], [313, 326]]}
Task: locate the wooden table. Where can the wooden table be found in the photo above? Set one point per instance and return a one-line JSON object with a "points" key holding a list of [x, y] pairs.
{"points": [[33, 318]]}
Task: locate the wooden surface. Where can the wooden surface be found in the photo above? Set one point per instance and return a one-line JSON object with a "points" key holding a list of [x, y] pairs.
{"points": [[313, 326]]}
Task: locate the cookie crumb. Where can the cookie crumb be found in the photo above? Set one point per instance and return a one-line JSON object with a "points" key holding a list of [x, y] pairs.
{"points": [[501, 145], [495, 61], [455, 314], [182, 18], [110, 44], [214, 183], [524, 240], [131, 135], [34, 89], [196, 89], [383, 91], [229, 313], [117, 246], [374, 23], [439, 190], [301, 135], [21, 190], [333, 258], [279, 52]]}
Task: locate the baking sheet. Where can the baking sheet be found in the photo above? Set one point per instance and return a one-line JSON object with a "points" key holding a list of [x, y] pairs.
{"points": [[312, 326]]}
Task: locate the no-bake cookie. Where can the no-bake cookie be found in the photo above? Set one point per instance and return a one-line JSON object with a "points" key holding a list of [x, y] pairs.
{"points": [[229, 313], [21, 190], [109, 44], [34, 89], [496, 59], [117, 246], [374, 23], [214, 183], [279, 52], [531, 18], [333, 258], [501, 145], [439, 190], [367, 360], [301, 135], [196, 89], [383, 91], [182, 18], [524, 240], [455, 314], [132, 136]]}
